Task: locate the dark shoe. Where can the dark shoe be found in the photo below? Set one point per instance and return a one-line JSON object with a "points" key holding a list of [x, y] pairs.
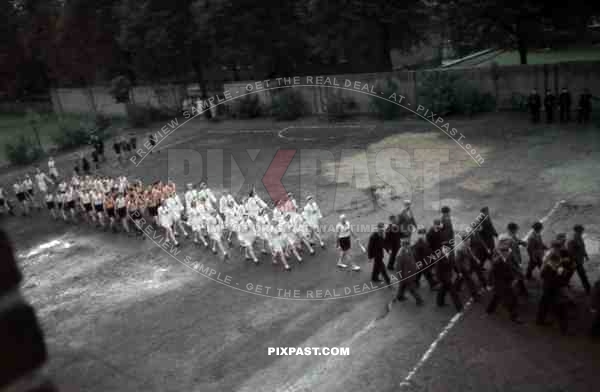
{"points": [[390, 267], [543, 323], [516, 320], [420, 302], [401, 298], [376, 280]]}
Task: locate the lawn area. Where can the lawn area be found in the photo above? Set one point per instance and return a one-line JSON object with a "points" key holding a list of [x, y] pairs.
{"points": [[12, 126], [548, 56]]}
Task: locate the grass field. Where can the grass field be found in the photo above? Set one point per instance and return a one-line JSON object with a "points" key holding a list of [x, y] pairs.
{"points": [[12, 126], [548, 56]]}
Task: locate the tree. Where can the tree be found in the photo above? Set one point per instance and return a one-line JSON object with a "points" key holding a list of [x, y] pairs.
{"points": [[369, 28], [514, 24]]}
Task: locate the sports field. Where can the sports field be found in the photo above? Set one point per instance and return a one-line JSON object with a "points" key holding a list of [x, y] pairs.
{"points": [[122, 314]]}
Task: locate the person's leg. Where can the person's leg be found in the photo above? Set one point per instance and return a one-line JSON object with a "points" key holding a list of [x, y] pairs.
{"points": [[583, 277]]}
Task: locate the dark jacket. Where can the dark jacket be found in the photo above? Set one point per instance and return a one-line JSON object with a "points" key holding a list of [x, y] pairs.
{"points": [[405, 221], [376, 246], [502, 272], [536, 248], [407, 264], [564, 100], [534, 102], [392, 237], [464, 257], [447, 230], [549, 100], [487, 230], [576, 247], [422, 250], [434, 239]]}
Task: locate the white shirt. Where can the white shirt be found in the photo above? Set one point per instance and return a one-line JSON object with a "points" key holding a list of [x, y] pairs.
{"points": [[343, 230], [51, 164], [49, 198], [17, 187], [85, 197], [28, 184], [41, 179], [120, 202]]}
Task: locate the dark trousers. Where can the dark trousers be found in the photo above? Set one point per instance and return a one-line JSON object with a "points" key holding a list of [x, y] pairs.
{"points": [[550, 301], [535, 115], [467, 278], [411, 287], [379, 268], [583, 116], [392, 257], [549, 114], [565, 114], [428, 273], [447, 287], [583, 277], [534, 262], [503, 294], [596, 324]]}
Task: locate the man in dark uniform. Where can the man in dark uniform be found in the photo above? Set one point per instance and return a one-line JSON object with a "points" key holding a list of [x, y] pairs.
{"points": [[549, 106], [487, 232], [513, 230], [534, 103], [585, 106], [503, 278], [444, 271], [577, 252], [481, 253], [552, 278], [406, 220], [422, 252], [564, 102], [466, 265], [392, 241], [407, 267], [595, 308], [375, 251], [447, 232], [535, 249]]}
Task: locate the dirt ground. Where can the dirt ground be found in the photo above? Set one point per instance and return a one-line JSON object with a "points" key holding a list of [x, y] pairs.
{"points": [[124, 314]]}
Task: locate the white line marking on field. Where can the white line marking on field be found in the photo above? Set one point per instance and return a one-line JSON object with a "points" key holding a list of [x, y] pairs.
{"points": [[307, 139], [408, 379], [308, 381]]}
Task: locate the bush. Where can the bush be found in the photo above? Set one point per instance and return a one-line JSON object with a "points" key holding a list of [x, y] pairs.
{"points": [[444, 93], [247, 107], [385, 109], [288, 105], [102, 121], [72, 137], [23, 151], [339, 107]]}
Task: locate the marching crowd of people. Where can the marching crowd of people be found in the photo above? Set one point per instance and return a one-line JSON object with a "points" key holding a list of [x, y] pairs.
{"points": [[481, 260]]}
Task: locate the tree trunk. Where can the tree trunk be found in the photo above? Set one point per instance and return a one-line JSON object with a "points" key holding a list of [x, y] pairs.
{"points": [[386, 61], [199, 71], [522, 52]]}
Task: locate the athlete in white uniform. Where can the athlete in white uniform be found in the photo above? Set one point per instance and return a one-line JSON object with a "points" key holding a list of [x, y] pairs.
{"points": [[121, 206], [176, 209], [302, 231], [52, 169], [278, 243], [196, 221], [215, 226], [19, 190], [51, 204], [247, 236], [165, 218], [312, 215], [85, 198], [69, 204], [264, 230], [344, 232], [208, 195], [42, 181], [29, 192], [289, 234]]}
